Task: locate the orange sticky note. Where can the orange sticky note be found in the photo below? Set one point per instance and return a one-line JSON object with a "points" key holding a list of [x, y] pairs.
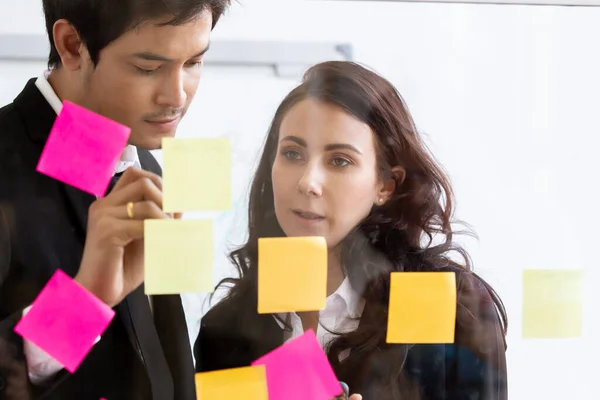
{"points": [[552, 303], [178, 256], [248, 383], [422, 307], [292, 274]]}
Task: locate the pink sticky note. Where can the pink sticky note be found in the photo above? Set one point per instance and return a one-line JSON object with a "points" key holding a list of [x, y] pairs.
{"points": [[299, 370], [65, 320], [83, 149]]}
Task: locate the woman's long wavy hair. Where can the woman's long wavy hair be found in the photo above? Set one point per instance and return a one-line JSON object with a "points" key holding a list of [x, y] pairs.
{"points": [[411, 232]]}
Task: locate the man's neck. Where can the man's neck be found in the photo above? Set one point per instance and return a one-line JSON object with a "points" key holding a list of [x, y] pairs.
{"points": [[62, 86]]}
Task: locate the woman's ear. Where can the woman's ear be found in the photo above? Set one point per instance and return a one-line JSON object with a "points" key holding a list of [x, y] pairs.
{"points": [[389, 186], [399, 174]]}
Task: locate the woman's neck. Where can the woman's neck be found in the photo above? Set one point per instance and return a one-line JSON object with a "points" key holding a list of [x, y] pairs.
{"points": [[335, 273], [335, 277]]}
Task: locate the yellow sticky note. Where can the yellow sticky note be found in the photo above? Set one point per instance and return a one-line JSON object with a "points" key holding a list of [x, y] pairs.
{"points": [[248, 383], [196, 174], [292, 274], [552, 303], [178, 256], [422, 307]]}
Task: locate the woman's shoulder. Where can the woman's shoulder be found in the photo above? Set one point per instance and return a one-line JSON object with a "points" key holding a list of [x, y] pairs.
{"points": [[480, 325], [472, 291], [226, 312], [478, 355]]}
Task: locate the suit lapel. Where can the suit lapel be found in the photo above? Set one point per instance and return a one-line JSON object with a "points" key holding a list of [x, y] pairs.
{"points": [[170, 323], [137, 317], [264, 333], [169, 319], [138, 320]]}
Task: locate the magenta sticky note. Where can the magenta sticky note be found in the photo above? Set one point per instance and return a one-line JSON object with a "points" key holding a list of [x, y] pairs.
{"points": [[65, 320], [299, 370], [83, 149]]}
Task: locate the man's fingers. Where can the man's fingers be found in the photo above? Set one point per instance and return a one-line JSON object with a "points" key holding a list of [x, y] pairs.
{"points": [[140, 210], [142, 189], [119, 232], [132, 174]]}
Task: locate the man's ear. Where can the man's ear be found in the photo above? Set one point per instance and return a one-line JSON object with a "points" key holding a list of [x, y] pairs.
{"points": [[389, 186], [68, 44]]}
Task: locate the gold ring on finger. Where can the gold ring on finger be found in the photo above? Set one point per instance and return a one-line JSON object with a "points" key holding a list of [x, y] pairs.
{"points": [[130, 210]]}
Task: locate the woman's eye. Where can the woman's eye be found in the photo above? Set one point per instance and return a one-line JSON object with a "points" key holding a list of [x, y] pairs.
{"points": [[340, 162], [292, 155], [195, 64]]}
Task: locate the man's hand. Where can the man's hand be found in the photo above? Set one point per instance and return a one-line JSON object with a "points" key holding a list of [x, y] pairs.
{"points": [[112, 265]]}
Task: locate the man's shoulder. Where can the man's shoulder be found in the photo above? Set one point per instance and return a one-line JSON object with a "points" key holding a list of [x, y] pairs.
{"points": [[9, 116], [14, 116], [12, 128]]}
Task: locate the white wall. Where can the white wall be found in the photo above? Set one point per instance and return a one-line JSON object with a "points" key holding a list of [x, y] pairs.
{"points": [[507, 97]]}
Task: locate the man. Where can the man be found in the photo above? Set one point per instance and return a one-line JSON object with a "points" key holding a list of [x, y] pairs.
{"points": [[137, 62]]}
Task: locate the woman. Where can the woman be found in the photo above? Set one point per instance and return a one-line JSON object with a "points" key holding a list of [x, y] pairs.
{"points": [[343, 160]]}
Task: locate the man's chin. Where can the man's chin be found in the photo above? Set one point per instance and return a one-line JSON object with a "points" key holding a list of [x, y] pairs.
{"points": [[150, 141]]}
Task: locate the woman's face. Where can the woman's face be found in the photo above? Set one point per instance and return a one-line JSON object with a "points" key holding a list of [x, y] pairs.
{"points": [[324, 175]]}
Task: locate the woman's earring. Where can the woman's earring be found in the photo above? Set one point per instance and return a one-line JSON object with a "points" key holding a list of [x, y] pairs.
{"points": [[380, 200]]}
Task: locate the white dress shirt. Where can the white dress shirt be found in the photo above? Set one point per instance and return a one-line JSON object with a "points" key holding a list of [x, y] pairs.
{"points": [[40, 365], [341, 315]]}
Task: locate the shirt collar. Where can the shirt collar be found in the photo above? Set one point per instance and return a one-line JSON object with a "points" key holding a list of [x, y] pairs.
{"points": [[48, 92], [129, 157], [354, 302]]}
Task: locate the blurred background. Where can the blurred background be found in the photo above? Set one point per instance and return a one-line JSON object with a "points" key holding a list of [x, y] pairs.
{"points": [[506, 96]]}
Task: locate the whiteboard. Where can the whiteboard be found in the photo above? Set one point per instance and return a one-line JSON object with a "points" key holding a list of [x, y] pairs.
{"points": [[587, 3]]}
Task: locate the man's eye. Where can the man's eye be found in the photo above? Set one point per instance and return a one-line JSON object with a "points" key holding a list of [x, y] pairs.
{"points": [[145, 71]]}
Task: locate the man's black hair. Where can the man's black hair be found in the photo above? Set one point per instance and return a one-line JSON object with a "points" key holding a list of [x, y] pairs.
{"points": [[100, 22]]}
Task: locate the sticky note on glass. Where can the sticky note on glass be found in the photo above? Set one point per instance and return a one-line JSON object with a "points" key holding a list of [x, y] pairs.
{"points": [[248, 383], [65, 320], [83, 149], [299, 370], [422, 307], [178, 256], [292, 274], [196, 175], [552, 303]]}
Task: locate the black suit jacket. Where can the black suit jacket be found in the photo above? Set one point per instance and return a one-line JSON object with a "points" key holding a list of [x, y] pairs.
{"points": [[233, 334], [42, 229]]}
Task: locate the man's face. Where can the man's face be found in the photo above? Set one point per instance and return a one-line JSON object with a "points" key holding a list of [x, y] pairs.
{"points": [[147, 78]]}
